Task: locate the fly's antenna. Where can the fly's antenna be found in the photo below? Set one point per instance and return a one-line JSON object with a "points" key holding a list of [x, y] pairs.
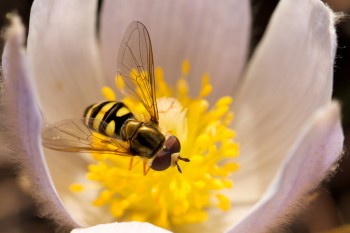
{"points": [[182, 159]]}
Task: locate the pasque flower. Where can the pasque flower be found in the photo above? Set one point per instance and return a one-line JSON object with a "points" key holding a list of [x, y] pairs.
{"points": [[282, 98]]}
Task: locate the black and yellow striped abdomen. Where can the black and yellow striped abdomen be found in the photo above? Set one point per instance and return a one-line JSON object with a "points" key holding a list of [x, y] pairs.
{"points": [[114, 119], [107, 117]]}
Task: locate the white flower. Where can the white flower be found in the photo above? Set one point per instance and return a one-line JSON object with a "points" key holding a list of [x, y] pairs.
{"points": [[282, 99]]}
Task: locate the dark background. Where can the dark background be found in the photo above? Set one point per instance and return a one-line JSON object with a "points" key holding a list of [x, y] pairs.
{"points": [[330, 209]]}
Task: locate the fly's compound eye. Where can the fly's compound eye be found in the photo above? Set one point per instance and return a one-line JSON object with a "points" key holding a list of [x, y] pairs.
{"points": [[169, 155], [172, 144], [162, 161]]}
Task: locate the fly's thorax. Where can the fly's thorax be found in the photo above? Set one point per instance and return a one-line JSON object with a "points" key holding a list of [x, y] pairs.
{"points": [[145, 138], [129, 129]]}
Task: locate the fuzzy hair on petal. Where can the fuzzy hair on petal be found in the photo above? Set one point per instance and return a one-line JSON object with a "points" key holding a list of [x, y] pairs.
{"points": [[21, 126], [312, 159]]}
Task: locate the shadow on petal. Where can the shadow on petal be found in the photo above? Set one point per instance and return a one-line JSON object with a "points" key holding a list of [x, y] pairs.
{"points": [[312, 158], [22, 135]]}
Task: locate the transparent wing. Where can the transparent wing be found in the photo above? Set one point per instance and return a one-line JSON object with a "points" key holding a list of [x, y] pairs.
{"points": [[135, 67], [74, 136]]}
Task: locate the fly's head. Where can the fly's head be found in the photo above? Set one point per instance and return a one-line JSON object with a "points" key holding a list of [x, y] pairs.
{"points": [[169, 155]]}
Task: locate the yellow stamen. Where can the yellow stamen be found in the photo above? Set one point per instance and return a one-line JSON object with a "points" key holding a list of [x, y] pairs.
{"points": [[162, 88], [186, 67], [206, 86], [108, 93], [224, 202], [76, 187], [168, 198], [182, 87], [119, 82]]}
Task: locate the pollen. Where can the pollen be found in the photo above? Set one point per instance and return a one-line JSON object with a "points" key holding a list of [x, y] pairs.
{"points": [[169, 198], [108, 93], [119, 82], [76, 187], [186, 67]]}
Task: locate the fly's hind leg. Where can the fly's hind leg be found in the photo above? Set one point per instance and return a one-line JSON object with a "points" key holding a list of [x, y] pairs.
{"points": [[131, 162], [146, 168]]}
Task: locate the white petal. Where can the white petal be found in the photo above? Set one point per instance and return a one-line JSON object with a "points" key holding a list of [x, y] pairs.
{"points": [[218, 221], [22, 118], [288, 78], [63, 52], [66, 169], [312, 158], [129, 227], [212, 35]]}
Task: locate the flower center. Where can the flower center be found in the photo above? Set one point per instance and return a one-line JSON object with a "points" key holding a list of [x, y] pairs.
{"points": [[169, 198]]}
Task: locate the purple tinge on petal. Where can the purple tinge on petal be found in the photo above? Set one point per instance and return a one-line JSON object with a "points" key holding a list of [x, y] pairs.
{"points": [[130, 227], [213, 35], [312, 158], [22, 136], [289, 77]]}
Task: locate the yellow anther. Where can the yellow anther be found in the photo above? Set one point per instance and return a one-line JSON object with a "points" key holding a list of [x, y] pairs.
{"points": [[108, 93], [182, 87], [205, 91], [224, 101], [134, 74], [227, 183], [186, 67], [159, 74], [205, 79], [119, 82], [203, 140], [144, 74], [103, 198], [100, 157], [139, 217], [76, 187], [116, 209], [200, 184], [220, 111], [168, 198], [197, 158], [228, 118], [224, 202], [163, 90]]}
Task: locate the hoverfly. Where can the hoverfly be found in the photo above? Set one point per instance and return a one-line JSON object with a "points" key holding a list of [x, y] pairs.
{"points": [[110, 127]]}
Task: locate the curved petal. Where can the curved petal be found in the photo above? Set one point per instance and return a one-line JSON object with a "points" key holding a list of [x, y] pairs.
{"points": [[22, 118], [218, 221], [288, 78], [66, 169], [212, 35], [63, 52], [129, 227], [312, 158]]}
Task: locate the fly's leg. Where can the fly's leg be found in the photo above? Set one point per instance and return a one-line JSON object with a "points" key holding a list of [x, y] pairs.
{"points": [[146, 168], [131, 161]]}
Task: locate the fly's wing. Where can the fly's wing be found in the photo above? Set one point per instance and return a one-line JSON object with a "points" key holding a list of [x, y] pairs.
{"points": [[136, 69], [74, 136]]}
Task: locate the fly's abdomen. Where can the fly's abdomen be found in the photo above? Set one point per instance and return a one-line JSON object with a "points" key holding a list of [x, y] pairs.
{"points": [[107, 117]]}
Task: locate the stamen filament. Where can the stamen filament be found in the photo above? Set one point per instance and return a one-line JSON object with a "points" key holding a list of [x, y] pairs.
{"points": [[168, 198]]}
